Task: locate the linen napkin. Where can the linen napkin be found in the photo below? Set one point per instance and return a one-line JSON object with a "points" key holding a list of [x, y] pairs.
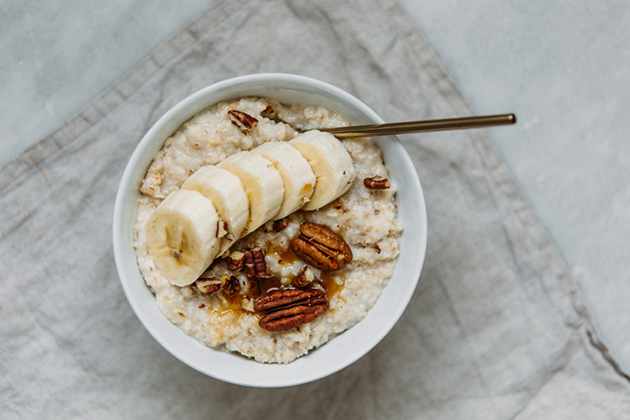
{"points": [[496, 328]]}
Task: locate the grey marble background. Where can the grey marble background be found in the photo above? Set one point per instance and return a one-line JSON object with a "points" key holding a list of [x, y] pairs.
{"points": [[560, 67]]}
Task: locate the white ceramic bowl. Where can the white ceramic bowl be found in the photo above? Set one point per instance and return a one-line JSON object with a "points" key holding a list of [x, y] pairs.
{"points": [[340, 351]]}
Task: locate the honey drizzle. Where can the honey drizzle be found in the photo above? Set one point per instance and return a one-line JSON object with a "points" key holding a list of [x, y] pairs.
{"points": [[225, 304], [232, 304], [284, 257], [288, 257], [270, 283], [330, 284]]}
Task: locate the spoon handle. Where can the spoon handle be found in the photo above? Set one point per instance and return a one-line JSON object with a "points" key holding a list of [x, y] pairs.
{"points": [[421, 126]]}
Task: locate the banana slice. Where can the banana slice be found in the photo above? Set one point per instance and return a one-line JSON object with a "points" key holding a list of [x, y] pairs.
{"points": [[297, 176], [226, 191], [263, 185], [181, 236], [331, 164]]}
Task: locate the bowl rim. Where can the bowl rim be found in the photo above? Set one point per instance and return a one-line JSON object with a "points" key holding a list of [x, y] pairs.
{"points": [[126, 182]]}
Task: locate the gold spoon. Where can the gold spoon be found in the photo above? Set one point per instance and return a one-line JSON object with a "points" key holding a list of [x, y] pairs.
{"points": [[421, 126]]}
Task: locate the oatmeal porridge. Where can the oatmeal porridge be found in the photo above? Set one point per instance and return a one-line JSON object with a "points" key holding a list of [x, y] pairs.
{"points": [[281, 280]]}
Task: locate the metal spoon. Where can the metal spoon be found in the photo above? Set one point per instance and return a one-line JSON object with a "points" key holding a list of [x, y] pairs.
{"points": [[421, 126]]}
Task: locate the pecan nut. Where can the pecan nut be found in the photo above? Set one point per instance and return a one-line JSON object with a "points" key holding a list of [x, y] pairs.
{"points": [[290, 308], [286, 319], [206, 287], [268, 110], [242, 120], [223, 231], [255, 265], [279, 225], [254, 287], [237, 260], [231, 285], [304, 277], [377, 183], [321, 247]]}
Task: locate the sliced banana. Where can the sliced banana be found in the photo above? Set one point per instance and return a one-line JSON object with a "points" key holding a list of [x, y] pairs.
{"points": [[263, 185], [297, 176], [331, 164], [226, 192], [181, 236]]}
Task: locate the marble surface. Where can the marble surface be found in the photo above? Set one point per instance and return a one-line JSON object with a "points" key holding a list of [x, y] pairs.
{"points": [[59, 56], [560, 67]]}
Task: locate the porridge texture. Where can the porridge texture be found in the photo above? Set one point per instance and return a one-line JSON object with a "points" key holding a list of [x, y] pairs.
{"points": [[366, 219]]}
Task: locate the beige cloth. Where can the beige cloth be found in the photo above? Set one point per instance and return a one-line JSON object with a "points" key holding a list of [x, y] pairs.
{"points": [[495, 330]]}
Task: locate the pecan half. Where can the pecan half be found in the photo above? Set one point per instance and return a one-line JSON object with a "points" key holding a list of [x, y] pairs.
{"points": [[376, 183], [304, 277], [230, 285], [321, 247], [206, 287], [242, 120], [237, 259], [255, 265], [279, 225], [290, 308]]}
